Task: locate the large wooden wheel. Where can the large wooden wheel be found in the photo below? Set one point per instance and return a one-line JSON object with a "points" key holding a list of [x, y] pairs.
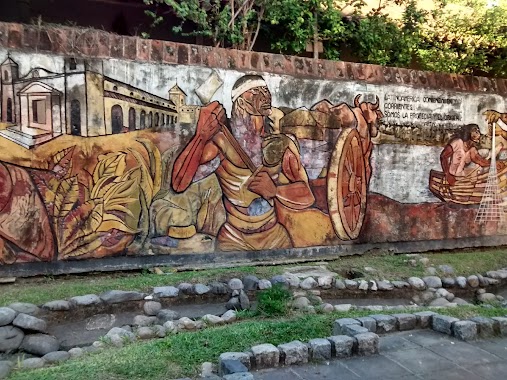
{"points": [[346, 185]]}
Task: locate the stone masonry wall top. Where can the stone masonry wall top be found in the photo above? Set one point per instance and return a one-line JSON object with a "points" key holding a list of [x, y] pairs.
{"points": [[99, 44]]}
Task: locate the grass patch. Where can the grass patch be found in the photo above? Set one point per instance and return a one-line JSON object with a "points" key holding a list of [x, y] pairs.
{"points": [[274, 301], [181, 355]]}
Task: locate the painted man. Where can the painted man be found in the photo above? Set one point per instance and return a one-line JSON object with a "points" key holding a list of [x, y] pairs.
{"points": [[492, 118], [258, 168], [460, 152]]}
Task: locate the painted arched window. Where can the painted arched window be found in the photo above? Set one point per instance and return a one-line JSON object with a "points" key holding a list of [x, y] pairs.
{"points": [[142, 119], [116, 119], [75, 117], [157, 119], [6, 75], [9, 110], [132, 119], [150, 119]]}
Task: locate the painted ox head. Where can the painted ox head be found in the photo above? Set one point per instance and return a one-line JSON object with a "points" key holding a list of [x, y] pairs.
{"points": [[371, 113]]}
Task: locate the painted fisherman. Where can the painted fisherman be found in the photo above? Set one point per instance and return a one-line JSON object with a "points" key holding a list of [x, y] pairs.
{"points": [[258, 168]]}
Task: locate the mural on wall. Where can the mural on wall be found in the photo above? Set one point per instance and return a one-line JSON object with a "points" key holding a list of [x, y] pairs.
{"points": [[98, 162]]}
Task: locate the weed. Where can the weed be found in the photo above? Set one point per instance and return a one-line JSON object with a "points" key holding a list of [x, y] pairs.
{"points": [[274, 301]]}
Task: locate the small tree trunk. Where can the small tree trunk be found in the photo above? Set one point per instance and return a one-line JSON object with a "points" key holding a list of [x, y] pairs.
{"points": [[315, 37]]}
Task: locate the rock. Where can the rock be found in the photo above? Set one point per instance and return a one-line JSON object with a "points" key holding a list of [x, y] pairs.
{"points": [[56, 357], [233, 304], [144, 320], [238, 376], [5, 369], [424, 261], [152, 308], [448, 282], [353, 330], [166, 291], [325, 282], [351, 284], [40, 344], [443, 323], [450, 297], [250, 283], [213, 319], [400, 284], [416, 283], [446, 269], [201, 289], [482, 280], [25, 308], [405, 321], [7, 315], [229, 366], [244, 302], [412, 262], [339, 324], [207, 369], [235, 284], [127, 328], [369, 270], [368, 323], [292, 280], [363, 285], [461, 282], [485, 326], [327, 308], [311, 310], [384, 285], [372, 285], [118, 296], [367, 344], [481, 291], [460, 301], [294, 352], [265, 356], [301, 303], [229, 316], [119, 337], [28, 322], [87, 300], [59, 305], [145, 332], [185, 323], [186, 288], [308, 283], [264, 284], [385, 323], [280, 280], [432, 281], [171, 327], [32, 363], [424, 319], [341, 346], [320, 349], [339, 284], [473, 281], [487, 297], [464, 330], [165, 315], [439, 302], [431, 271], [241, 357], [343, 307], [76, 352], [100, 322], [160, 331], [497, 274], [427, 296], [500, 325], [10, 338], [441, 293]]}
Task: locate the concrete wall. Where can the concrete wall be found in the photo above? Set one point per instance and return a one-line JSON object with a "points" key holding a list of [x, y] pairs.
{"points": [[269, 157]]}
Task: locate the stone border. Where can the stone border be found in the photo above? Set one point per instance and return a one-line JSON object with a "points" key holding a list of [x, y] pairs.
{"points": [[86, 42]]}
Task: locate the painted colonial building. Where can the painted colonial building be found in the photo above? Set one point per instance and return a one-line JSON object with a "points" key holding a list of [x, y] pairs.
{"points": [[80, 101]]}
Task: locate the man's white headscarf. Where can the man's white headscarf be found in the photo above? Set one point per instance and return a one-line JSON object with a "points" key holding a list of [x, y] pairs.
{"points": [[246, 83]]}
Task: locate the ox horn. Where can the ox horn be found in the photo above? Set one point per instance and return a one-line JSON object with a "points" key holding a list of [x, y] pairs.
{"points": [[375, 105], [356, 100]]}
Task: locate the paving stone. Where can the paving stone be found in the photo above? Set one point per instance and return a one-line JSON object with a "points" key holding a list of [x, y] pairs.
{"points": [[250, 283], [165, 315], [58, 305], [421, 361], [31, 323], [239, 376], [405, 321], [166, 291], [353, 330], [265, 356], [385, 323], [500, 325], [369, 323], [152, 308], [341, 346], [7, 315], [229, 366], [339, 284], [461, 281], [118, 296], [416, 283], [5, 369], [432, 281], [294, 352], [264, 284], [443, 323], [465, 330], [25, 308], [395, 342], [464, 354], [242, 357], [485, 326], [201, 289], [320, 349], [424, 319], [39, 344], [235, 284], [56, 357], [86, 300], [32, 363], [339, 323], [367, 344]]}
